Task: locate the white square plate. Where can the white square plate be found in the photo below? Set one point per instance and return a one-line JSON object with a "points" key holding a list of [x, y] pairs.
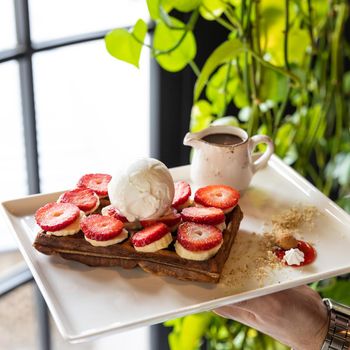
{"points": [[89, 302]]}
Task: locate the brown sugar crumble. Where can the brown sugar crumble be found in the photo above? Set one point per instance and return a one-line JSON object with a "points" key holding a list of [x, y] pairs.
{"points": [[252, 257], [294, 218]]}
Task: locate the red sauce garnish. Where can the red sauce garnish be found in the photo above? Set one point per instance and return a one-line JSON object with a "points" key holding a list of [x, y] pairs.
{"points": [[308, 250]]}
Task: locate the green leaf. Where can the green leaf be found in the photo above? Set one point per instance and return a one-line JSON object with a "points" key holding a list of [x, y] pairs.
{"points": [[338, 291], [240, 98], [284, 139], [273, 28], [192, 329], [166, 5], [339, 169], [159, 8], [229, 120], [185, 5], [222, 54], [211, 9], [221, 89], [346, 83], [274, 86], [153, 8], [122, 45], [201, 116], [298, 44], [344, 202], [176, 48]]}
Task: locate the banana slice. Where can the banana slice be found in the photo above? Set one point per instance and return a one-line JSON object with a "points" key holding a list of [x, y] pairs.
{"points": [[71, 229], [196, 255], [121, 237], [157, 245]]}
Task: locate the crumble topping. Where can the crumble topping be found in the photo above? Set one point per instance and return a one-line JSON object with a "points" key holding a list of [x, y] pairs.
{"points": [[252, 257]]}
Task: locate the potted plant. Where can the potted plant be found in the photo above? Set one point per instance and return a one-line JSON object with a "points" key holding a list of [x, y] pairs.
{"points": [[281, 70]]}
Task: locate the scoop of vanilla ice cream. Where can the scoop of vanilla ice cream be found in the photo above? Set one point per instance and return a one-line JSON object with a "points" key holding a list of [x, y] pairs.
{"points": [[143, 190]]}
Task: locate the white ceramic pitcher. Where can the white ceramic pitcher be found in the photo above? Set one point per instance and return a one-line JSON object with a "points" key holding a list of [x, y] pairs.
{"points": [[232, 164]]}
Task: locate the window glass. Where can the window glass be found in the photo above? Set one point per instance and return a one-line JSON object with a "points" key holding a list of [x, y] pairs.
{"points": [[12, 157], [7, 25], [92, 112], [59, 18]]}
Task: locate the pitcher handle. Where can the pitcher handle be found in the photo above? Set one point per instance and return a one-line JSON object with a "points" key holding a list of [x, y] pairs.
{"points": [[263, 159]]}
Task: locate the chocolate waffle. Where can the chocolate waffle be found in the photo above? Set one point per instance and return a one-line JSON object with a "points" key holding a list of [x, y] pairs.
{"points": [[163, 263]]}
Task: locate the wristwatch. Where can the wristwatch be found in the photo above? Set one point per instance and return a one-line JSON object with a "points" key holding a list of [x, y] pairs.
{"points": [[338, 336]]}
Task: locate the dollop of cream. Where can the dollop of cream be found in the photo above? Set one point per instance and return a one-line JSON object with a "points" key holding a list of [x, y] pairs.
{"points": [[143, 190], [294, 256]]}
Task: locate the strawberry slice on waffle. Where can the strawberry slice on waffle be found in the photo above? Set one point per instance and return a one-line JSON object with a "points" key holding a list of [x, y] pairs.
{"points": [[218, 196], [152, 238], [96, 182], [203, 215], [114, 212], [182, 195], [172, 220], [198, 241], [84, 198], [102, 230], [56, 216], [110, 210]]}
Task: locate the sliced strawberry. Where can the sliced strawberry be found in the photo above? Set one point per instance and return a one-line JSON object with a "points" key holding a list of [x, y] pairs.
{"points": [[170, 220], [218, 196], [204, 215], [198, 237], [101, 228], [96, 182], [56, 216], [182, 193], [114, 212], [149, 234], [84, 198]]}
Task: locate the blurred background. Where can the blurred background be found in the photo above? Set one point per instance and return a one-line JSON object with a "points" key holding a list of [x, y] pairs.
{"points": [[68, 107], [66, 99]]}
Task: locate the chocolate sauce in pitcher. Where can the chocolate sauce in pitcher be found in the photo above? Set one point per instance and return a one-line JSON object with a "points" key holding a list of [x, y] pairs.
{"points": [[223, 139]]}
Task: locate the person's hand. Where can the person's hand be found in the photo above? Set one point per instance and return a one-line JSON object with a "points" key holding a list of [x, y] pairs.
{"points": [[296, 317]]}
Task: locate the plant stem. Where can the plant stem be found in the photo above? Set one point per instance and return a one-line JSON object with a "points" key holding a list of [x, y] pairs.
{"points": [[225, 24], [277, 69], [243, 11], [230, 14], [269, 123], [220, 20], [227, 78], [194, 67], [141, 42], [252, 120], [286, 32], [259, 72], [239, 69], [244, 338], [246, 76], [284, 104], [244, 39], [281, 111], [167, 20], [314, 175], [189, 27], [336, 73], [310, 25], [157, 53], [252, 67]]}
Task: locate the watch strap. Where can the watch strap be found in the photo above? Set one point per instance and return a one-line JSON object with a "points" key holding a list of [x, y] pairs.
{"points": [[338, 336]]}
